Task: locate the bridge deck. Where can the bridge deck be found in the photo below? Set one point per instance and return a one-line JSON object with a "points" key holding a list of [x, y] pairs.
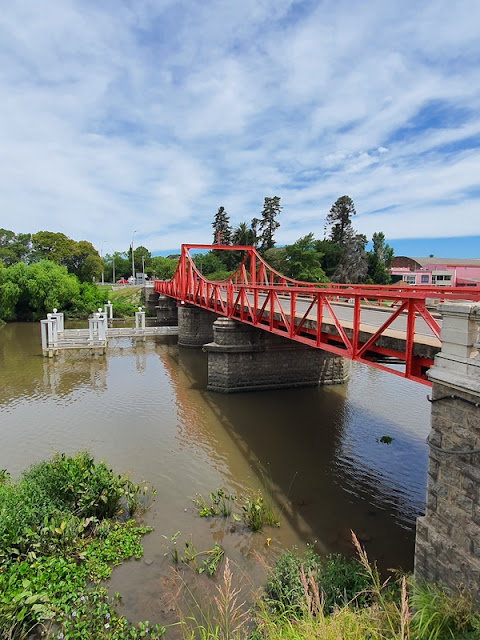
{"points": [[361, 322]]}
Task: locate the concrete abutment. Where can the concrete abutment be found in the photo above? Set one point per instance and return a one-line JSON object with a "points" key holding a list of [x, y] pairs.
{"points": [[448, 536]]}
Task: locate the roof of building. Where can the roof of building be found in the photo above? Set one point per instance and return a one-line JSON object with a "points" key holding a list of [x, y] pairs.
{"points": [[461, 262]]}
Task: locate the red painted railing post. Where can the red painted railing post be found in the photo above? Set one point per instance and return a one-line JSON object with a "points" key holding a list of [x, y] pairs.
{"points": [[319, 318], [253, 269], [183, 274], [410, 336], [356, 324], [230, 309], [293, 306]]}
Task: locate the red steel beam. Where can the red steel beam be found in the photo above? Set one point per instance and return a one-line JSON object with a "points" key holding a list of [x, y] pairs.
{"points": [[253, 278]]}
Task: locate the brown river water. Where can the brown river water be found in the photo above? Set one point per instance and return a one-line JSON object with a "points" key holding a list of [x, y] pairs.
{"points": [[144, 408]]}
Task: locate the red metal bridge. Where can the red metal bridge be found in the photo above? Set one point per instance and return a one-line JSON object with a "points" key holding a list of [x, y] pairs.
{"points": [[394, 328]]}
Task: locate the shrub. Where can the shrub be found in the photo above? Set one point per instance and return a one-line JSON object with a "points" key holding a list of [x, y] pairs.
{"points": [[55, 536], [56, 502], [77, 484], [338, 579]]}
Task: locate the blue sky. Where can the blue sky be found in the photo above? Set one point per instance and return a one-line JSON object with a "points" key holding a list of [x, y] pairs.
{"points": [[145, 116]]}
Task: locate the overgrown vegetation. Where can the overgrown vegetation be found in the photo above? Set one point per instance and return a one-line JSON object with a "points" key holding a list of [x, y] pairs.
{"points": [[254, 509], [58, 533], [308, 597], [339, 581]]}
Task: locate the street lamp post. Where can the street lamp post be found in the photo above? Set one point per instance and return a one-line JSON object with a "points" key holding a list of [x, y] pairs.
{"points": [[103, 262], [133, 261]]}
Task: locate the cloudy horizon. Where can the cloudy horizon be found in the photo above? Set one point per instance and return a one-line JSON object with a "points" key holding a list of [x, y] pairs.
{"points": [[147, 116]]}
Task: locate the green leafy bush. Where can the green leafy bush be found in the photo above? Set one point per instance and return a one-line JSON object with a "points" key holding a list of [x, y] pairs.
{"points": [[80, 486], [338, 580], [56, 535], [57, 502]]}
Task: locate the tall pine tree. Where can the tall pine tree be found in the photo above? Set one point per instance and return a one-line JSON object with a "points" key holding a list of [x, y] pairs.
{"points": [[352, 266], [339, 219], [221, 225], [268, 223]]}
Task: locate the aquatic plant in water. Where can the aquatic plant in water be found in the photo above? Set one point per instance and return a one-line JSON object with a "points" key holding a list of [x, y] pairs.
{"points": [[57, 533]]}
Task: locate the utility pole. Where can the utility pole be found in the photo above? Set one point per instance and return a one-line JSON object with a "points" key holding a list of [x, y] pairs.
{"points": [[103, 263], [133, 260]]}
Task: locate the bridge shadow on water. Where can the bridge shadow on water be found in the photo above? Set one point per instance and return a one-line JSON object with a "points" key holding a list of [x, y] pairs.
{"points": [[320, 450]]}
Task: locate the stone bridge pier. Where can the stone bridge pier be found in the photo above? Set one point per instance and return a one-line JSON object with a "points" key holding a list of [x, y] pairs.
{"points": [[195, 326], [244, 358], [448, 536], [167, 311]]}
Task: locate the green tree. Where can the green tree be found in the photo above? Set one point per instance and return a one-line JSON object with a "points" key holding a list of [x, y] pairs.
{"points": [[380, 260], [84, 261], [142, 258], [243, 235], [48, 245], [41, 287], [303, 262], [209, 263], [254, 227], [353, 265], [221, 225], [9, 295], [14, 247], [339, 219], [331, 254], [119, 263], [275, 257], [268, 223], [162, 268]]}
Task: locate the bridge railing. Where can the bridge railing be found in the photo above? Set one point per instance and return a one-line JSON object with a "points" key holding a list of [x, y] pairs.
{"points": [[366, 323]]}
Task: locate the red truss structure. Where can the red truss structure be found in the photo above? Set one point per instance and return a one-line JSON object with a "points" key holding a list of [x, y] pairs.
{"points": [[394, 328]]}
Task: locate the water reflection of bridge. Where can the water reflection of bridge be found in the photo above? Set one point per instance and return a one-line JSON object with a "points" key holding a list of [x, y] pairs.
{"points": [[319, 486]]}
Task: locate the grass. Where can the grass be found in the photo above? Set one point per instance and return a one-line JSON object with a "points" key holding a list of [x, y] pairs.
{"points": [[125, 299], [403, 611]]}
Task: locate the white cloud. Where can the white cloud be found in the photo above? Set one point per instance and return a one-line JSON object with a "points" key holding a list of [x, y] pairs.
{"points": [[149, 116]]}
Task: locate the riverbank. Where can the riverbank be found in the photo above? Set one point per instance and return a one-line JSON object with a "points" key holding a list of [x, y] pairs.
{"points": [[144, 408], [66, 522]]}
